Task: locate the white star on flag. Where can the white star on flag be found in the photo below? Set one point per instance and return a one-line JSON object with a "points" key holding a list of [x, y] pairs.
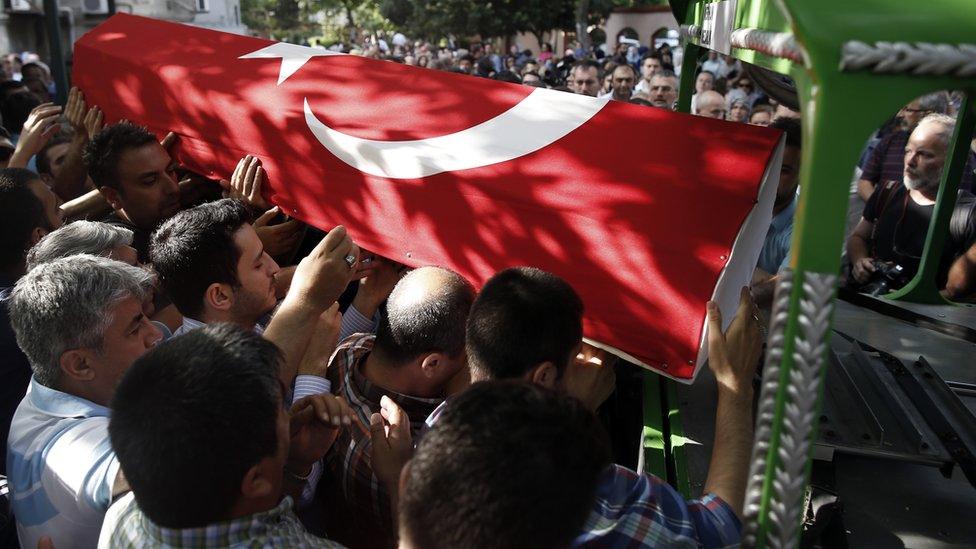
{"points": [[292, 57]]}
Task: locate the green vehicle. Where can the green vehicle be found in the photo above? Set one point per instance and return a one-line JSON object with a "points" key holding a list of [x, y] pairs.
{"points": [[865, 427]]}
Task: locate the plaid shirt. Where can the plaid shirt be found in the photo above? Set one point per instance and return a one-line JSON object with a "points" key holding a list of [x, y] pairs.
{"points": [[349, 466], [634, 510], [126, 527]]}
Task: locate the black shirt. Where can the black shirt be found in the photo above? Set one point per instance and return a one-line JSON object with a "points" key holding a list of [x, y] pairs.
{"points": [[901, 226]]}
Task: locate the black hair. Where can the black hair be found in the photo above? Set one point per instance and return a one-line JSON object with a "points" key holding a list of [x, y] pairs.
{"points": [[195, 248], [103, 152], [33, 65], [5, 91], [16, 108], [436, 323], [43, 162], [507, 76], [791, 127], [588, 64], [522, 318], [191, 417], [20, 213], [651, 55], [507, 465]]}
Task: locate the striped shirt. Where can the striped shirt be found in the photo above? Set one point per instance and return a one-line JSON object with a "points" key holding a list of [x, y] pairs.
{"points": [[127, 527], [636, 511]]}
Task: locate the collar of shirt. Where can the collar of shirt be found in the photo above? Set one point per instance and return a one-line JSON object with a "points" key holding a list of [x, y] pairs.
{"points": [[243, 530], [783, 218], [55, 403], [190, 324]]}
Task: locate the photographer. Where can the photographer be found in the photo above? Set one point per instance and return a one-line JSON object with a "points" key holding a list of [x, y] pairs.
{"points": [[887, 244]]}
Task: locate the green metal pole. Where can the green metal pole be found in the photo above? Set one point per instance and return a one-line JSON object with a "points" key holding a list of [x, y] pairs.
{"points": [[687, 86]]}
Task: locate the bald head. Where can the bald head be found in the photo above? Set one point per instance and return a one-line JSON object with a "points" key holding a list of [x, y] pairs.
{"points": [[711, 104], [426, 313]]}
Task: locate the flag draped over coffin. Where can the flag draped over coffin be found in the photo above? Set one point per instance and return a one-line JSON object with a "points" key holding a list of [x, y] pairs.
{"points": [[647, 213]]}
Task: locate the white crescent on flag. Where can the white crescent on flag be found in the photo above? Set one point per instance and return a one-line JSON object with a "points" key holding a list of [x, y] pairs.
{"points": [[537, 121]]}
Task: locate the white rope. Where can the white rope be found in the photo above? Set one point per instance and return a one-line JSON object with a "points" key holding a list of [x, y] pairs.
{"points": [[776, 44], [904, 58]]}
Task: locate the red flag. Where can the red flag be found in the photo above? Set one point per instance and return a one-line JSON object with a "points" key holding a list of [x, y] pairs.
{"points": [[638, 208]]}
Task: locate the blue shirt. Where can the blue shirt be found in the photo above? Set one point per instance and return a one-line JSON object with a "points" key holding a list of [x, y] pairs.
{"points": [[775, 252], [60, 466]]}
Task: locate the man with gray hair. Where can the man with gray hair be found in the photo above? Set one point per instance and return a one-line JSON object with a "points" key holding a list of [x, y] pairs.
{"points": [[112, 241], [79, 320], [84, 237], [895, 224], [887, 161]]}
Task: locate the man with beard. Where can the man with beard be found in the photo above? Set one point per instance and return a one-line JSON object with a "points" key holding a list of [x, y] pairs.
{"points": [[896, 218]]}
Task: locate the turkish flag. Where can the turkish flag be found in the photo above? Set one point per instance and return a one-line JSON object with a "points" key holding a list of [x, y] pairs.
{"points": [[647, 213]]}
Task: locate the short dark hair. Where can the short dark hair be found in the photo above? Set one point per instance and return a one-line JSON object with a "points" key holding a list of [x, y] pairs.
{"points": [[651, 55], [7, 89], [436, 323], [791, 127], [508, 464], [102, 153], [16, 108], [588, 64], [195, 248], [523, 317], [507, 76], [189, 419], [33, 65], [43, 162], [20, 213]]}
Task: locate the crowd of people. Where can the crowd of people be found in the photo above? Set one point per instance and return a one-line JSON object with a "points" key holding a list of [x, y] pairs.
{"points": [[194, 368]]}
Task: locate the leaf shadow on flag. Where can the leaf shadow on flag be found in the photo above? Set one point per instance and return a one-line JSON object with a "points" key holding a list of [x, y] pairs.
{"points": [[637, 209]]}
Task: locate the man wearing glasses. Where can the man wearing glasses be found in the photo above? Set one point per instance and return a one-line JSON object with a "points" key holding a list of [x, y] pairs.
{"points": [[887, 161]]}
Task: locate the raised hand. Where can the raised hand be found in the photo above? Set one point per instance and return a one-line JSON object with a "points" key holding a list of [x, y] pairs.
{"points": [[734, 355], [590, 377], [323, 275], [74, 111], [94, 120], [377, 286], [246, 181], [392, 446], [314, 422], [41, 125], [278, 239]]}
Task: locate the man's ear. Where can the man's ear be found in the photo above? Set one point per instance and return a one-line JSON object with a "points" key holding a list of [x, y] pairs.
{"points": [[544, 374], [111, 196], [218, 296], [433, 364], [37, 234], [75, 364], [259, 481]]}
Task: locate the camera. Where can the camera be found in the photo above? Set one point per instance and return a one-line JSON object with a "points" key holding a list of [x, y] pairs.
{"points": [[887, 277]]}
